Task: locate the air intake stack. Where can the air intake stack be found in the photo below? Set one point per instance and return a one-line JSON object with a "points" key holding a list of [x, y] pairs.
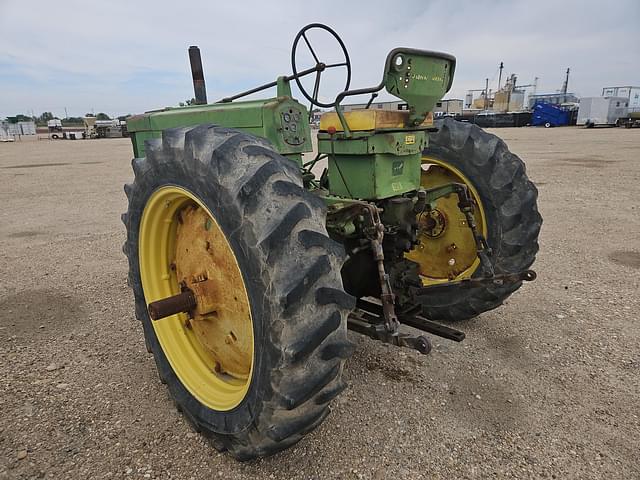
{"points": [[199, 88]]}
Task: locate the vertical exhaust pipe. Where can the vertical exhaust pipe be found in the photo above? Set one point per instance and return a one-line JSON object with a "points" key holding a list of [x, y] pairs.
{"points": [[198, 75]]}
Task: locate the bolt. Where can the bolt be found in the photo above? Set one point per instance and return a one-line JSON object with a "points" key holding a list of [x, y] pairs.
{"points": [[430, 223], [230, 338], [423, 345], [183, 302]]}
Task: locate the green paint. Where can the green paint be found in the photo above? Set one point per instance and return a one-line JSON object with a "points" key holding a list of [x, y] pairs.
{"points": [[361, 165], [420, 78], [281, 120], [372, 166]]}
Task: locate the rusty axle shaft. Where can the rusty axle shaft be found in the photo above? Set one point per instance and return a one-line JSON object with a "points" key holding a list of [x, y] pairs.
{"points": [[182, 303]]}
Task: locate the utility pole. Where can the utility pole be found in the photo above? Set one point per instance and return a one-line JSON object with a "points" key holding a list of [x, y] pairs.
{"points": [[486, 95], [565, 86], [66, 115], [500, 75]]}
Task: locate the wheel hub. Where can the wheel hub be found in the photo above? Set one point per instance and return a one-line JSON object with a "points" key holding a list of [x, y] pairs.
{"points": [[219, 319], [433, 224], [182, 248], [446, 249]]}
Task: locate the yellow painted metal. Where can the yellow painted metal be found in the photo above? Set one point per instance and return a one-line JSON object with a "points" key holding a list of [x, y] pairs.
{"points": [[448, 251], [212, 353], [369, 119]]}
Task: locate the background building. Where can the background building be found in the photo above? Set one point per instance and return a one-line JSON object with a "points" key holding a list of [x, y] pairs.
{"points": [[10, 129], [376, 106], [630, 93], [451, 106], [552, 98]]}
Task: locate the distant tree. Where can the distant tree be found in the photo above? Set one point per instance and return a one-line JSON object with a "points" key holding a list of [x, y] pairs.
{"points": [[72, 121], [103, 116], [20, 118], [191, 101], [122, 118], [45, 117], [89, 115]]}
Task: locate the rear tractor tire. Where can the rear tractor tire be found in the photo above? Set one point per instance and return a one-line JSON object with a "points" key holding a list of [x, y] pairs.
{"points": [[256, 364], [506, 213]]}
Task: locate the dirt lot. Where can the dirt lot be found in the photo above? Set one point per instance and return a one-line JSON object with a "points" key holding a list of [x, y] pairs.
{"points": [[547, 386]]}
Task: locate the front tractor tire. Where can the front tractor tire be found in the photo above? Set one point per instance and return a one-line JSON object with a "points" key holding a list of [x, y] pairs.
{"points": [[506, 213], [255, 366]]}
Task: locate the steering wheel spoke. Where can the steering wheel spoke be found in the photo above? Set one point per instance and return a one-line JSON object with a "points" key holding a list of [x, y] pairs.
{"points": [[320, 66], [315, 57], [316, 85]]}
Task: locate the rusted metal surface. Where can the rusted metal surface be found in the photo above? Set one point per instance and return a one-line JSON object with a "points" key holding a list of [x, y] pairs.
{"points": [[496, 279], [206, 265], [182, 303], [433, 223], [375, 233], [373, 327], [199, 89], [444, 226], [413, 319]]}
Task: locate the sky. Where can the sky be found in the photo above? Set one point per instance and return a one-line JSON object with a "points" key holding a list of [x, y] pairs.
{"points": [[122, 57]]}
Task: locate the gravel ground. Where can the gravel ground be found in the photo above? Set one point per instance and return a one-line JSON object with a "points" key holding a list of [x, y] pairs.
{"points": [[545, 387]]}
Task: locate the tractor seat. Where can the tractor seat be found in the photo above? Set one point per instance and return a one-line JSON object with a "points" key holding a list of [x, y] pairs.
{"points": [[370, 119]]}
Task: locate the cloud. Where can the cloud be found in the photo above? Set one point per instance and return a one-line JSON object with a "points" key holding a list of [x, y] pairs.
{"points": [[132, 56]]}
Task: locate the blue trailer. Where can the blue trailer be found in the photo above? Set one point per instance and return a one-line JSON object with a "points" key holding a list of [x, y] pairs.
{"points": [[549, 115]]}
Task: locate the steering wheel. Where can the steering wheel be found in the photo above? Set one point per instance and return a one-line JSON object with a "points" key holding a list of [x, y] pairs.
{"points": [[320, 66]]}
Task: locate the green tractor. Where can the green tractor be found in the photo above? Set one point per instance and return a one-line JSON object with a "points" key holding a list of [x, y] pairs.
{"points": [[249, 261]]}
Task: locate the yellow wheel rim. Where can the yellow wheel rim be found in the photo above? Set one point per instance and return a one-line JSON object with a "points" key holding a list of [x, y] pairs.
{"points": [[447, 251], [211, 352]]}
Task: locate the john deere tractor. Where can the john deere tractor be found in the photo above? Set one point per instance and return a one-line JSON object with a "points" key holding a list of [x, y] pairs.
{"points": [[249, 261]]}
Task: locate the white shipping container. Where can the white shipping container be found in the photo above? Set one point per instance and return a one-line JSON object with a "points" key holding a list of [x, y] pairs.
{"points": [[21, 128], [27, 128], [5, 136], [601, 110], [634, 99], [632, 94]]}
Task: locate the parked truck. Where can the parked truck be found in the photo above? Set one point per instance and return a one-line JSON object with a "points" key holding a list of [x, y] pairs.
{"points": [[55, 128], [602, 111], [632, 119], [632, 95], [549, 115], [110, 128]]}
